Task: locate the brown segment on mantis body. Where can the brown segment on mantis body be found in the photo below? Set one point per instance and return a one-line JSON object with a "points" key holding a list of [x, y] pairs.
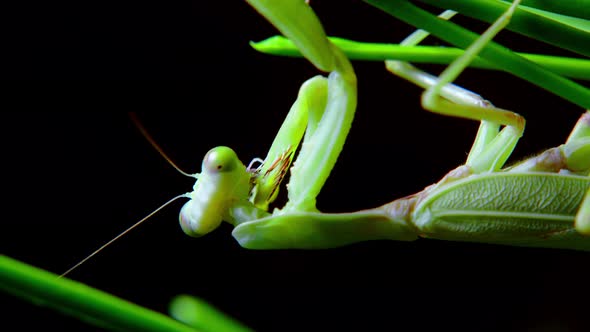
{"points": [[282, 162]]}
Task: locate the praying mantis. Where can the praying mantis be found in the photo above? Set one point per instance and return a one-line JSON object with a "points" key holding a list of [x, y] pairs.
{"points": [[322, 116], [471, 203], [280, 153]]}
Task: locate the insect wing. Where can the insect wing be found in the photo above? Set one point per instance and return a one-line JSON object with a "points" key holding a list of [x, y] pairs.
{"points": [[529, 209]]}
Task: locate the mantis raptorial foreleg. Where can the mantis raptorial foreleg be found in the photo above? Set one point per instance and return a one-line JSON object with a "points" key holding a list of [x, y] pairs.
{"points": [[315, 160], [304, 116], [299, 224]]}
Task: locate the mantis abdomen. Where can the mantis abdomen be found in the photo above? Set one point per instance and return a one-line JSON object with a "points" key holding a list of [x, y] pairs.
{"points": [[528, 209]]}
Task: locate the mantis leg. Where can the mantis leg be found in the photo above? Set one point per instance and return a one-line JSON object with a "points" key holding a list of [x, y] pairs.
{"points": [[304, 116], [582, 221], [490, 149], [577, 155], [321, 148], [487, 154], [487, 130], [299, 224]]}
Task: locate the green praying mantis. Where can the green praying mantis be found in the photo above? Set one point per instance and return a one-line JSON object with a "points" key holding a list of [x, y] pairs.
{"points": [[543, 201], [551, 182], [478, 201]]}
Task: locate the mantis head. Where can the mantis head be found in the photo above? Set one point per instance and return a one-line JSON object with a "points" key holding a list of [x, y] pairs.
{"points": [[223, 181]]}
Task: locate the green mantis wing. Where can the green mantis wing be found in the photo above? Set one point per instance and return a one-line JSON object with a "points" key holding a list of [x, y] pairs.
{"points": [[524, 209]]}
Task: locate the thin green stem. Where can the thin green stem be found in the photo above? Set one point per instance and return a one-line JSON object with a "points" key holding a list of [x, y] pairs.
{"points": [[81, 301], [492, 52], [572, 21], [562, 34], [576, 68], [200, 314], [575, 8]]}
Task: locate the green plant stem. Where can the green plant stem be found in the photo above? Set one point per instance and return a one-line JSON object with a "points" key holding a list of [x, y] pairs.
{"points": [[574, 22], [575, 8], [199, 314], [79, 300], [278, 45], [493, 52], [563, 34]]}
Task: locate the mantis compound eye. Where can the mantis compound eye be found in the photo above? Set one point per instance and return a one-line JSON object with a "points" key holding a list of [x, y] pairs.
{"points": [[220, 160]]}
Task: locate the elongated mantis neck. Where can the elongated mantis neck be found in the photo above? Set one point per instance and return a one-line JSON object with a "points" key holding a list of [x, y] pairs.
{"points": [[317, 230]]}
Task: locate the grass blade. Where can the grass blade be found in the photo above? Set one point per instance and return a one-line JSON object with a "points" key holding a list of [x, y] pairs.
{"points": [[523, 21], [81, 301], [493, 52], [278, 45]]}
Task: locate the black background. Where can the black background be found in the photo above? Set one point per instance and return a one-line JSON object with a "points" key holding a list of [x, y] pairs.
{"points": [[76, 172]]}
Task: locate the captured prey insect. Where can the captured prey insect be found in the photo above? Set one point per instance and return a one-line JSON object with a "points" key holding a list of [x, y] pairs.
{"points": [[533, 203]]}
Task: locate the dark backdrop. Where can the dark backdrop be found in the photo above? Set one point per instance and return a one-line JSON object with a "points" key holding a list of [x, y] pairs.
{"points": [[76, 172]]}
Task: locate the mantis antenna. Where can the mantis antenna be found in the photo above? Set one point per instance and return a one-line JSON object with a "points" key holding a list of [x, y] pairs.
{"points": [[121, 234], [153, 143]]}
